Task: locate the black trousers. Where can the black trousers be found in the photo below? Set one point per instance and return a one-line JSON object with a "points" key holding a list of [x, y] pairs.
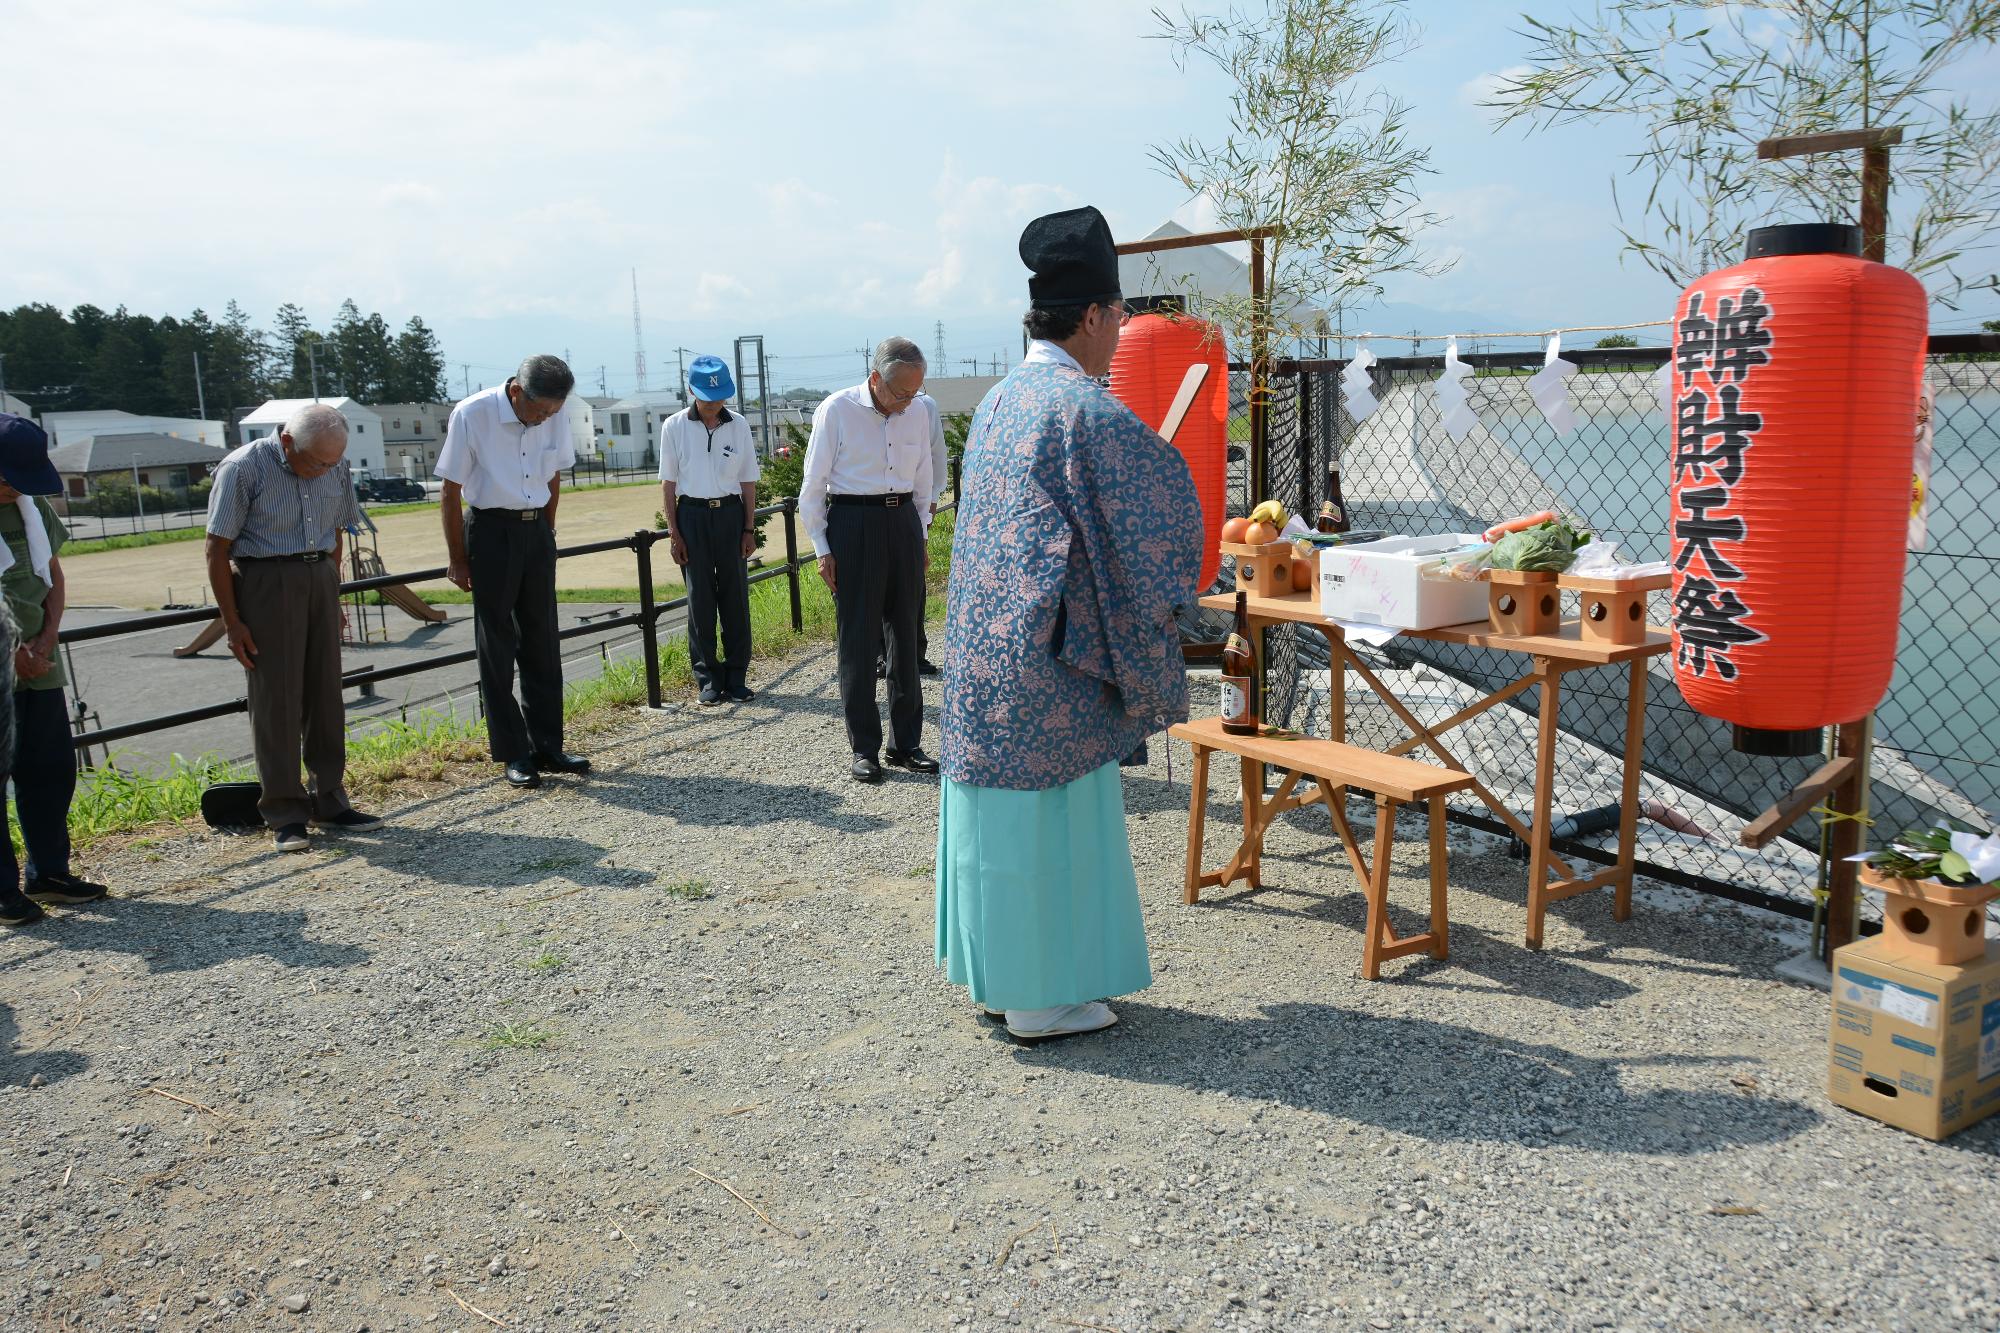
{"points": [[878, 570], [44, 774], [514, 621], [718, 586]]}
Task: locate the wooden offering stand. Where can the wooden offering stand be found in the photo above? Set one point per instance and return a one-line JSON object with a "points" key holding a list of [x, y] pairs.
{"points": [[1522, 602], [1612, 610], [1264, 570], [1929, 921]]}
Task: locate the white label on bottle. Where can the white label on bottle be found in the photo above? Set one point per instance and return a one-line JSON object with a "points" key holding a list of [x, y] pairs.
{"points": [[1236, 698]]}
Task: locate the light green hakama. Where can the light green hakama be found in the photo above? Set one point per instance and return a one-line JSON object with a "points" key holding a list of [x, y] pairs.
{"points": [[1037, 901]]}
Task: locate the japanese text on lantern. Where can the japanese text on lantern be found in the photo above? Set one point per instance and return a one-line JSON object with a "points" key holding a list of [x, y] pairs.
{"points": [[1714, 359]]}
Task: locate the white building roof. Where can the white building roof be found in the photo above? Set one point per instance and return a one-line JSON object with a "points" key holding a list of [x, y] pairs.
{"points": [[279, 410]]}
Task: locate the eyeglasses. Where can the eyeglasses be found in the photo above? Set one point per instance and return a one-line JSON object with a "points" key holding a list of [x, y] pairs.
{"points": [[894, 397], [1119, 310]]}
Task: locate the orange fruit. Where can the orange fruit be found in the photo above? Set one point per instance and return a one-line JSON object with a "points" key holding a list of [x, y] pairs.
{"points": [[1233, 529], [1259, 534]]}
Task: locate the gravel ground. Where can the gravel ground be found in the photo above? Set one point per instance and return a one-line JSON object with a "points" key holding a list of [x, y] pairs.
{"points": [[253, 1091]]}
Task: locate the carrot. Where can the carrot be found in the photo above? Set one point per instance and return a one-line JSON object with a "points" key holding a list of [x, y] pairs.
{"points": [[1499, 530]]}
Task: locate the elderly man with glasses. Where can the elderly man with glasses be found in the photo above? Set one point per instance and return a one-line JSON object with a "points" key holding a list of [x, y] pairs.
{"points": [[276, 513], [502, 461], [1078, 535], [865, 504]]}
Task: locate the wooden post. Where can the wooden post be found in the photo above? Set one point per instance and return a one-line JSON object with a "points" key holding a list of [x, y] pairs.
{"points": [[1851, 740], [1260, 370]]}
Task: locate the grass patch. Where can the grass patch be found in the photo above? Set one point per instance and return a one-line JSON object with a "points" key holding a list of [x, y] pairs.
{"points": [[426, 748], [508, 1035], [132, 540], [548, 962], [688, 890]]}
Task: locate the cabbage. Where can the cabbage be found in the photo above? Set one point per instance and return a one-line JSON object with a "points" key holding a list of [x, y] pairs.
{"points": [[1551, 546]]}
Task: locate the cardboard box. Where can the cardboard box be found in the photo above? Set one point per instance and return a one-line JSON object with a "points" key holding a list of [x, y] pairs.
{"points": [[1915, 1045], [1377, 583]]}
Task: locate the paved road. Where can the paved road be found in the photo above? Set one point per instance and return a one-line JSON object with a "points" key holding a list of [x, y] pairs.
{"points": [[137, 676]]}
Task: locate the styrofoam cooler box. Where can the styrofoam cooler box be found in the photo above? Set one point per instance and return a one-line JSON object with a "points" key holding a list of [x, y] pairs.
{"points": [[1377, 583]]}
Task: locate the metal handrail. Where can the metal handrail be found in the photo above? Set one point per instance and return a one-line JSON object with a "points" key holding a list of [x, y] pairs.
{"points": [[640, 543]]}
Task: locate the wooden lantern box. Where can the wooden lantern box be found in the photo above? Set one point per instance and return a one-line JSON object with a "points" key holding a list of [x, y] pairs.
{"points": [[1264, 570], [1522, 602], [1928, 921], [1612, 610]]}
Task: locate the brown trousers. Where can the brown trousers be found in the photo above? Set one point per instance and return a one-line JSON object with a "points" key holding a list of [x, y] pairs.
{"points": [[293, 614]]}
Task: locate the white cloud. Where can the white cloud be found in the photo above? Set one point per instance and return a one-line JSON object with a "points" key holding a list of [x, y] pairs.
{"points": [[983, 216], [1475, 92]]}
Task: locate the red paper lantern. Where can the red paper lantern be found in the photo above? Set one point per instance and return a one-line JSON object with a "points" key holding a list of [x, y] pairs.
{"points": [[1795, 383], [1154, 353]]}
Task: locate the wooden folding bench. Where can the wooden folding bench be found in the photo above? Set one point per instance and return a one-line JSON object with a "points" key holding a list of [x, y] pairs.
{"points": [[1333, 766]]}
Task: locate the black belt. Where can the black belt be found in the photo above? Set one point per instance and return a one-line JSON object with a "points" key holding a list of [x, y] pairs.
{"points": [[715, 503], [297, 558], [525, 515], [889, 501]]}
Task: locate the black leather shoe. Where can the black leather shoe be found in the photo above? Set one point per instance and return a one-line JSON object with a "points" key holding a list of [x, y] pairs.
{"points": [[562, 762], [926, 667], [865, 769], [521, 773], [914, 760], [67, 890], [711, 696]]}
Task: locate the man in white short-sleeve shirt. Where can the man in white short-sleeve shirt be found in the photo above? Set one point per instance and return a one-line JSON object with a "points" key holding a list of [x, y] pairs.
{"points": [[502, 461], [708, 491]]}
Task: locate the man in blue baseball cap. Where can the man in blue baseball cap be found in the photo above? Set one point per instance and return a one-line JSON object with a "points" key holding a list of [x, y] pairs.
{"points": [[43, 767], [708, 491]]}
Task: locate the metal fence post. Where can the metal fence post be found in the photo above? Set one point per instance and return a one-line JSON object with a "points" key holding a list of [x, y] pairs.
{"points": [[792, 562], [649, 632]]}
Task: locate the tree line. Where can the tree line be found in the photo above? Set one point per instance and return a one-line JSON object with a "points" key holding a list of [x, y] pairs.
{"points": [[90, 359]]}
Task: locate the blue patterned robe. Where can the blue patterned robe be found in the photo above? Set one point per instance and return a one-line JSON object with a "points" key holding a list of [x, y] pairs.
{"points": [[1078, 534]]}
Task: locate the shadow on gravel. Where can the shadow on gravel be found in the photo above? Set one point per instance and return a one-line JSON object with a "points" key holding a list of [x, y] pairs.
{"points": [[709, 800], [1431, 1080], [485, 859], [174, 935], [18, 1067]]}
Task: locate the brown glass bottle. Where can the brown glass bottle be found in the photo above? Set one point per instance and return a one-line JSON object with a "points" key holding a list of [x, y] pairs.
{"points": [[1239, 675], [1333, 514]]}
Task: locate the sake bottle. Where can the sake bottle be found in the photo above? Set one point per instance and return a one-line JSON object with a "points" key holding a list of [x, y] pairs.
{"points": [[1239, 675], [1332, 514]]}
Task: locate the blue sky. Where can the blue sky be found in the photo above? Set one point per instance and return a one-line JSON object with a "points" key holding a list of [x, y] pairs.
{"points": [[824, 174]]}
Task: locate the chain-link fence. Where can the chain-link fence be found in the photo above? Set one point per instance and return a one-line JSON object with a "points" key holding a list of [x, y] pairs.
{"points": [[1937, 732]]}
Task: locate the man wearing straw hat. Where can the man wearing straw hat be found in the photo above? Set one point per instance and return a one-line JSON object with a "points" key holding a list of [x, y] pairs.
{"points": [[1078, 535]]}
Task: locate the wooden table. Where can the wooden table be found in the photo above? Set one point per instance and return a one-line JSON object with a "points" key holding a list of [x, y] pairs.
{"points": [[1550, 657]]}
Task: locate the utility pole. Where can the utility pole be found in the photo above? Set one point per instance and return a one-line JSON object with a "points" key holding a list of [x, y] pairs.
{"points": [[602, 392], [867, 355], [200, 399], [971, 363], [682, 353], [465, 378], [638, 336], [312, 364]]}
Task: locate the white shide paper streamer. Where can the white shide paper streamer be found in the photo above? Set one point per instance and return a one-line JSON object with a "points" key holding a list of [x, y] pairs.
{"points": [[1459, 419], [1549, 387], [1357, 390]]}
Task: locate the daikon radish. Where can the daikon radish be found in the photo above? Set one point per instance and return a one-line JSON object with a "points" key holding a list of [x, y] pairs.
{"points": [[1499, 530]]}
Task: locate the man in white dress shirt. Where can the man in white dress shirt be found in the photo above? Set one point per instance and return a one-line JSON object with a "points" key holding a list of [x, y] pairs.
{"points": [[708, 491], [503, 456], [940, 474], [865, 502]]}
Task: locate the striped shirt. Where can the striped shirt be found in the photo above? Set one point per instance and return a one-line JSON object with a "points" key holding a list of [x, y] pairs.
{"points": [[264, 508]]}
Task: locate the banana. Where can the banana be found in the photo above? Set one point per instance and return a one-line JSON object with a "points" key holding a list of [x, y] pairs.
{"points": [[1270, 511]]}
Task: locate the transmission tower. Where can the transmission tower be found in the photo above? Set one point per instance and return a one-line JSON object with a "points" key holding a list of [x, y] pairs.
{"points": [[638, 336], [938, 358]]}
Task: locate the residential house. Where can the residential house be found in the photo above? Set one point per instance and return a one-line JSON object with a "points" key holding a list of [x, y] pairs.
{"points": [[147, 458], [412, 434], [364, 429], [630, 434], [69, 427], [959, 396], [9, 403]]}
